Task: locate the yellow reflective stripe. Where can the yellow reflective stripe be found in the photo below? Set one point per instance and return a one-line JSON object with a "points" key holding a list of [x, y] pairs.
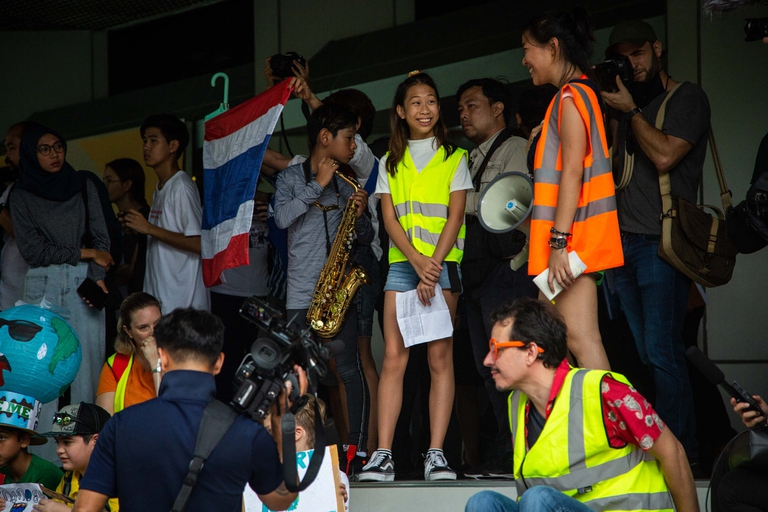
{"points": [[122, 384]]}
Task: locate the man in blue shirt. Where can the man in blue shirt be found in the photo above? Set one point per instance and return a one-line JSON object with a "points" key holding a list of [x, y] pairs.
{"points": [[144, 451]]}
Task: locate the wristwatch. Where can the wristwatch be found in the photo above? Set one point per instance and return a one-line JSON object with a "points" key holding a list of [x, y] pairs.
{"points": [[558, 242], [159, 367], [632, 112]]}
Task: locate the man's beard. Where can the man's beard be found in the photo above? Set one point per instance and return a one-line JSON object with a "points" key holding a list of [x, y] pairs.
{"points": [[643, 92]]}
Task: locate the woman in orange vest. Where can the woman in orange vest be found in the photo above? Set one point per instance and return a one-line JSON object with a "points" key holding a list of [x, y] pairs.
{"points": [[132, 375], [574, 207]]}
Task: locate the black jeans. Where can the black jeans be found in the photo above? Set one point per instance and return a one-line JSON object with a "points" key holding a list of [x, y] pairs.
{"points": [[500, 286], [351, 372]]}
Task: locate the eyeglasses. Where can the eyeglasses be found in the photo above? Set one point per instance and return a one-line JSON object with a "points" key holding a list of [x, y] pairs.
{"points": [[109, 181], [21, 330], [494, 345], [45, 149]]}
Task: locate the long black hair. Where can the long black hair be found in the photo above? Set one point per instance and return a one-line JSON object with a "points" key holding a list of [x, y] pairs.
{"points": [[574, 34], [400, 130], [129, 169]]}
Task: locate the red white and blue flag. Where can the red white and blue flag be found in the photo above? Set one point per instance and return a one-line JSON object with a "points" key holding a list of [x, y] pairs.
{"points": [[234, 147]]}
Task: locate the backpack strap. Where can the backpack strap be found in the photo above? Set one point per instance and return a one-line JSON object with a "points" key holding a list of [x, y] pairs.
{"points": [[216, 421], [119, 363]]}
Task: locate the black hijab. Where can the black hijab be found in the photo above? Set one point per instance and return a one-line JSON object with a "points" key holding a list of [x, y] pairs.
{"points": [[56, 186]]}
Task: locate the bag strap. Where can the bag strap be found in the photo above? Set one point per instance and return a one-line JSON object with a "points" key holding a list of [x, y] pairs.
{"points": [[665, 184], [290, 473], [503, 136], [217, 419]]}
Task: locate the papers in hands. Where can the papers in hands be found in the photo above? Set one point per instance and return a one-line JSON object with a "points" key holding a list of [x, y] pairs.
{"points": [[577, 268], [419, 323]]}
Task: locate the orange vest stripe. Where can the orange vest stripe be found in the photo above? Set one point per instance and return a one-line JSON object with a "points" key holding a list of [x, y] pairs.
{"points": [[596, 238]]}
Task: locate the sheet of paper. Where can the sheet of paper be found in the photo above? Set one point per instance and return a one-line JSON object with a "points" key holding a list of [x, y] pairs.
{"points": [[320, 496], [577, 268], [420, 324], [21, 497]]}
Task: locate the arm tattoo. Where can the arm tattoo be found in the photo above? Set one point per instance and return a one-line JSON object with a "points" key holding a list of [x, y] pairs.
{"points": [[282, 491]]}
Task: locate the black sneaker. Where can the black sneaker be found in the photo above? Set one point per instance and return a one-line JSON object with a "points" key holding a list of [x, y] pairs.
{"points": [[380, 468], [436, 467], [499, 467], [355, 467]]}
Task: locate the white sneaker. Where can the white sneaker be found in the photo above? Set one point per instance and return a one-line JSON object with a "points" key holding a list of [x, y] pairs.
{"points": [[436, 467], [381, 468]]}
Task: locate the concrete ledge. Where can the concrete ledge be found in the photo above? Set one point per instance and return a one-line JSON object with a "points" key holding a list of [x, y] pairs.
{"points": [[443, 496]]}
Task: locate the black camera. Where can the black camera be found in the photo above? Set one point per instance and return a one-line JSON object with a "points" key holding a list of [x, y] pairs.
{"points": [[282, 65], [606, 73], [262, 372], [756, 29]]}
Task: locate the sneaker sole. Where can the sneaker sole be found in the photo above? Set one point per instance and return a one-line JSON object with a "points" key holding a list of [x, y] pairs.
{"points": [[437, 477], [375, 477]]}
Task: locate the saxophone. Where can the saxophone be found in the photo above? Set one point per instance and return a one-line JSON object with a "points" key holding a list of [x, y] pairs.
{"points": [[334, 290]]}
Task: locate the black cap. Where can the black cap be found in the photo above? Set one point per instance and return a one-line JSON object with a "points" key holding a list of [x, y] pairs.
{"points": [[75, 420], [635, 32]]}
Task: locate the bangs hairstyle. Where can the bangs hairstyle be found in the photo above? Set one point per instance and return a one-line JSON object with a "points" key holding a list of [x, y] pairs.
{"points": [[538, 322], [190, 334], [133, 303], [333, 117], [360, 104], [129, 169], [171, 127], [574, 34], [399, 127]]}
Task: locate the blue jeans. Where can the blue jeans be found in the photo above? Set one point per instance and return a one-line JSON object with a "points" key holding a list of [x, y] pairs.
{"points": [[653, 296], [535, 499]]}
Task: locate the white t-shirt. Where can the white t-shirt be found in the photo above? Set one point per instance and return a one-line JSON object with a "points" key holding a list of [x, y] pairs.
{"points": [[422, 152], [173, 275], [13, 267]]}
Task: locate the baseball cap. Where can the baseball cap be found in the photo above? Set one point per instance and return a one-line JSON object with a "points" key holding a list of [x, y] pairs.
{"points": [[81, 419], [635, 32]]}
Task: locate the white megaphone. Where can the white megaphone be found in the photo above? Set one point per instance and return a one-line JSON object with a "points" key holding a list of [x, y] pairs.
{"points": [[505, 205]]}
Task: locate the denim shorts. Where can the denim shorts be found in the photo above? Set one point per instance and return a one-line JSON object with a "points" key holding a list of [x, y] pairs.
{"points": [[403, 278]]}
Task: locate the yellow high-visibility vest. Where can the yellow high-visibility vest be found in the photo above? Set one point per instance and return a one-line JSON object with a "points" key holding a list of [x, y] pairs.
{"points": [[421, 203], [573, 455]]}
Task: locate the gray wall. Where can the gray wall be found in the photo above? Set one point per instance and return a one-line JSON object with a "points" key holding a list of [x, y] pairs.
{"points": [[44, 70]]}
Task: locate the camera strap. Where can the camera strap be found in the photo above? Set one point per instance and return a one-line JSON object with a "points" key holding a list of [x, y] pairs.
{"points": [[290, 474], [217, 418]]}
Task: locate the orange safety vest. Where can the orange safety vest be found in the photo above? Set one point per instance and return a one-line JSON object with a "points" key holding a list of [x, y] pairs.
{"points": [[596, 238]]}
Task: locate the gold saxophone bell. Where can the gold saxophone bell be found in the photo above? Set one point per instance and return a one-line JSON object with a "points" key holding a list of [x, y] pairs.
{"points": [[334, 290]]}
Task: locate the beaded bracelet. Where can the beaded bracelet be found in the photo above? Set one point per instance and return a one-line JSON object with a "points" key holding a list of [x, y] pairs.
{"points": [[560, 233]]}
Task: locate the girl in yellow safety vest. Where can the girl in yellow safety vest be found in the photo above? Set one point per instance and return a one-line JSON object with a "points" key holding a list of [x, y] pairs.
{"points": [[423, 182], [574, 207], [132, 375]]}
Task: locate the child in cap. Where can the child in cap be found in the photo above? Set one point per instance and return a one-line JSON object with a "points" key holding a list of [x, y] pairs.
{"points": [[75, 429], [17, 423]]}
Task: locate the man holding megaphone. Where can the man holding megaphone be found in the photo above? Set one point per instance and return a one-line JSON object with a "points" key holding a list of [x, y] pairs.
{"points": [[485, 111]]}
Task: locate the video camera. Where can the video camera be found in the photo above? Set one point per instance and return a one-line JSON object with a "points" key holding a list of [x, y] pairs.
{"points": [[606, 73], [262, 372], [282, 65]]}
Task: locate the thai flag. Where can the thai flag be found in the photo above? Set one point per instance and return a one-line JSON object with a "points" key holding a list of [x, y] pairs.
{"points": [[234, 147]]}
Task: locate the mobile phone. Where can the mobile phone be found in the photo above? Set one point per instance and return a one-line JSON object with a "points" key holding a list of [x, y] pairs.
{"points": [[93, 293]]}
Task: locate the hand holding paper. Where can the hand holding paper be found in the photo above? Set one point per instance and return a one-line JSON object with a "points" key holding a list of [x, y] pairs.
{"points": [[542, 280]]}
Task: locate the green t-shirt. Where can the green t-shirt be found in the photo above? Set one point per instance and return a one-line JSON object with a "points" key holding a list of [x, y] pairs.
{"points": [[40, 471]]}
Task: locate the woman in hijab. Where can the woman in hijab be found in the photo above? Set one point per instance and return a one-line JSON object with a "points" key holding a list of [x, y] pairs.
{"points": [[62, 235]]}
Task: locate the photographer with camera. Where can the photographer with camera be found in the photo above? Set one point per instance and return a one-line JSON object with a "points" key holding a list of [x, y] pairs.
{"points": [[652, 293], [161, 434]]}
